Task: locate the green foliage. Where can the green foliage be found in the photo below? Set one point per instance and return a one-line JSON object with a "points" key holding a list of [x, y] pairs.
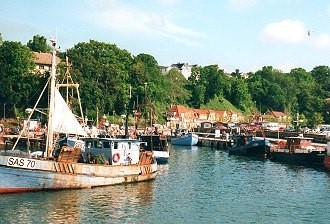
{"points": [[212, 77], [106, 74], [176, 88], [39, 44], [219, 103], [146, 78], [16, 65], [315, 120], [240, 96], [197, 88], [321, 75], [102, 70]]}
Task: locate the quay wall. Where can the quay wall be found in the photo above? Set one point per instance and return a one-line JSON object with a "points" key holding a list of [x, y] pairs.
{"points": [[317, 138], [209, 140]]}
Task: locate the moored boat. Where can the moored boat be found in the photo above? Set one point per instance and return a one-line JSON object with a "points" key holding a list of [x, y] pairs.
{"points": [[298, 150], [185, 139], [158, 145], [67, 164], [249, 146]]}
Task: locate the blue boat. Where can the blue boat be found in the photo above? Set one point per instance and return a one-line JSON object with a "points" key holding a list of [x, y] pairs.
{"points": [[185, 139]]}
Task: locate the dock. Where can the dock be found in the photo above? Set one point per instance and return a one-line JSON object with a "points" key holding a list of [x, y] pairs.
{"points": [[209, 140], [34, 142]]}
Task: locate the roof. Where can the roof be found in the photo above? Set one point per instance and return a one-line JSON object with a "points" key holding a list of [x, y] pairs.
{"points": [[179, 109], [201, 111], [276, 114], [231, 112], [44, 58], [220, 112]]}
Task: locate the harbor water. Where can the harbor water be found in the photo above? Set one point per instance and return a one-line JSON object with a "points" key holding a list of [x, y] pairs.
{"points": [[198, 185]]}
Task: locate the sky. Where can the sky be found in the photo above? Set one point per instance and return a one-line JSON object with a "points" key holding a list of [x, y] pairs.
{"points": [[234, 34]]}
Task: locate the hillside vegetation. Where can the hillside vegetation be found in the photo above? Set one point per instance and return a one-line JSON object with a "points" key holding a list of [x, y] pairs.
{"points": [[106, 74]]}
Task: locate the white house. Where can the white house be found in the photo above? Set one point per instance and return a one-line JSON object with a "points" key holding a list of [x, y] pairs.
{"points": [[184, 68]]}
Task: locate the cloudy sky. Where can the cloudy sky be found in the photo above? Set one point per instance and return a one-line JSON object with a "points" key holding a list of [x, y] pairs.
{"points": [[235, 34]]}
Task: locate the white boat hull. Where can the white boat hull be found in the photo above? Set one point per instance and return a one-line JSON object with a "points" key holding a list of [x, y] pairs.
{"points": [[187, 139], [51, 175]]}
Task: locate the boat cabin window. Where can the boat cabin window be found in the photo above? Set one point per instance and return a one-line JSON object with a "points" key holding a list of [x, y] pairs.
{"points": [[129, 145], [100, 145], [106, 145], [89, 144], [115, 145]]}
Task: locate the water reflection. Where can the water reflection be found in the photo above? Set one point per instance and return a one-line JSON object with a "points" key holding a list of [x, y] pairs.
{"points": [[183, 147], [75, 206], [196, 186]]}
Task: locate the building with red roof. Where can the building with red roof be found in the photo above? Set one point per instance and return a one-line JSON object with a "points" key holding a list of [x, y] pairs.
{"points": [[43, 61]]}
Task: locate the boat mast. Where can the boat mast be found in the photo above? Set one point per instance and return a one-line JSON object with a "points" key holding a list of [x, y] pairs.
{"points": [[50, 134], [127, 112]]}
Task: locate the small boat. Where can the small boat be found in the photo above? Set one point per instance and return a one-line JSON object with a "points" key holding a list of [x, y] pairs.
{"points": [[158, 145], [65, 163], [187, 138], [298, 150], [248, 145]]}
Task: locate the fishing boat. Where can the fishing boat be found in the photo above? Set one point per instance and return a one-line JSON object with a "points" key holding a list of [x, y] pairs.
{"points": [[65, 163], [185, 138], [248, 145], [158, 145], [298, 150], [151, 138]]}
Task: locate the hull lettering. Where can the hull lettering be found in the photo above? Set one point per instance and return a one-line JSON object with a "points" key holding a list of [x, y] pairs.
{"points": [[21, 162]]}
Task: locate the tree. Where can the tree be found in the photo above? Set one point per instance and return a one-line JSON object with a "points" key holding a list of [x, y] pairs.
{"points": [[176, 83], [102, 70], [266, 89], [212, 77], [150, 87], [39, 44], [241, 97], [145, 69], [197, 88], [16, 65], [315, 120], [236, 74], [321, 75]]}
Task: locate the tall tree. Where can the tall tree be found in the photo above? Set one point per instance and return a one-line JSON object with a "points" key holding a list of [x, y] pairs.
{"points": [[149, 85], [321, 74], [197, 88], [145, 71], [102, 70], [39, 44], [176, 87], [265, 89], [241, 97], [213, 78], [16, 65]]}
